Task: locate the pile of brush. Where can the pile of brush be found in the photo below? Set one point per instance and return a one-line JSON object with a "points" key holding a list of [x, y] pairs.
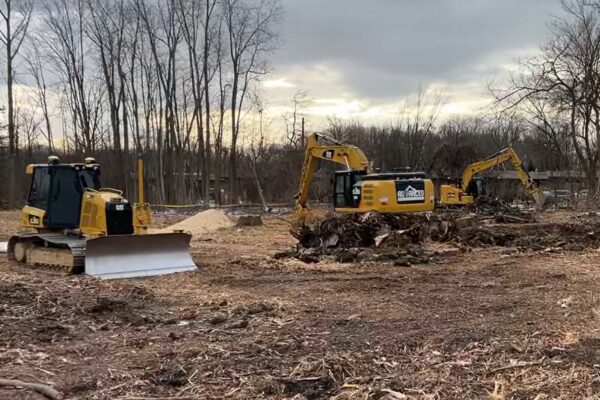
{"points": [[368, 237], [500, 211], [359, 230]]}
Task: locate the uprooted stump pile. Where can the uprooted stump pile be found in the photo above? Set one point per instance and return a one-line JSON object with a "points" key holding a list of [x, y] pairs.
{"points": [[369, 237], [500, 211], [400, 238]]}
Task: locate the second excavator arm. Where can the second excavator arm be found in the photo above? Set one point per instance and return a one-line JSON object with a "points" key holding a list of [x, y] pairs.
{"points": [[351, 156], [499, 158]]}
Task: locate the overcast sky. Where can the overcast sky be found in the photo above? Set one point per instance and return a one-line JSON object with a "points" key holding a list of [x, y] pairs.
{"points": [[361, 59]]}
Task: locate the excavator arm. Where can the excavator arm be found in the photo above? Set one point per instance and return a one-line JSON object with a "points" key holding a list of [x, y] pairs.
{"points": [[351, 156], [501, 157]]}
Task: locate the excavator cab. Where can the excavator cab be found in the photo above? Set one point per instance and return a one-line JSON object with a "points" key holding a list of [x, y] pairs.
{"points": [[477, 188], [343, 194]]}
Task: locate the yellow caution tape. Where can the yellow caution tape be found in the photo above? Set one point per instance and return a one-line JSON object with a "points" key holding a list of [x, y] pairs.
{"points": [[176, 206]]}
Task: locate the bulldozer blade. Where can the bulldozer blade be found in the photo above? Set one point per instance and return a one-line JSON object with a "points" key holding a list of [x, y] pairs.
{"points": [[129, 256]]}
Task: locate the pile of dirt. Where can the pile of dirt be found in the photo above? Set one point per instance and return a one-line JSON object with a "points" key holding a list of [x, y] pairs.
{"points": [[475, 230], [249, 220], [201, 223]]}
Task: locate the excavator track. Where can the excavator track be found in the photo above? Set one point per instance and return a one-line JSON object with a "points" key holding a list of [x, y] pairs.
{"points": [[53, 252]]}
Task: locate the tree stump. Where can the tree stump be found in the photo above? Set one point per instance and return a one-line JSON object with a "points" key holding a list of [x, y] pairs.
{"points": [[249, 220]]}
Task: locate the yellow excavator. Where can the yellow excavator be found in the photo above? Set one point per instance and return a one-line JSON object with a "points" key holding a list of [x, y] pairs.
{"points": [[356, 188], [470, 188], [76, 225]]}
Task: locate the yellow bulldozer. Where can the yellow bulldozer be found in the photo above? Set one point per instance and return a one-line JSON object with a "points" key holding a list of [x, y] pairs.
{"points": [[76, 225]]}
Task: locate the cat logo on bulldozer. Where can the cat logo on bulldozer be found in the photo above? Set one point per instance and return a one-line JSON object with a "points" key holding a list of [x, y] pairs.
{"points": [[34, 219]]}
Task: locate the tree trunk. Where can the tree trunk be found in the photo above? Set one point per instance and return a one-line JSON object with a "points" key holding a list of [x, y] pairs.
{"points": [[207, 157], [11, 111], [234, 130], [11, 121]]}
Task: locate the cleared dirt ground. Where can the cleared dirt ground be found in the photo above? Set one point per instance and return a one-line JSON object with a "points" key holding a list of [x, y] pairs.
{"points": [[246, 326]]}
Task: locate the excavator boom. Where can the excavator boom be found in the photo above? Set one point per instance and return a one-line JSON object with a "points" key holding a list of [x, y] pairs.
{"points": [[351, 156]]}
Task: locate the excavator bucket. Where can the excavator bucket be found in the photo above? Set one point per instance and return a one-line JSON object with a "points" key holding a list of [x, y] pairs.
{"points": [[112, 257], [542, 198]]}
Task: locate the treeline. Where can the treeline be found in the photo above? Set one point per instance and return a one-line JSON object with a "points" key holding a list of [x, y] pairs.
{"points": [[170, 79], [411, 144], [177, 82]]}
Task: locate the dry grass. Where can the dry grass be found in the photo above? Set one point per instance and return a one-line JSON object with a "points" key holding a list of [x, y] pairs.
{"points": [[246, 326]]}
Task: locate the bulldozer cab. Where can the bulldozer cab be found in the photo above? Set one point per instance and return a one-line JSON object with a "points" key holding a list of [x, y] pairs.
{"points": [[58, 189]]}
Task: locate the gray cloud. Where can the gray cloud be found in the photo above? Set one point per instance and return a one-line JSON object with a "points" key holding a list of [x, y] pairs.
{"points": [[384, 49]]}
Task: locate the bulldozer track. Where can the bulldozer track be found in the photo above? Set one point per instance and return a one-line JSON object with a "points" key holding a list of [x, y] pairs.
{"points": [[51, 252], [55, 269]]}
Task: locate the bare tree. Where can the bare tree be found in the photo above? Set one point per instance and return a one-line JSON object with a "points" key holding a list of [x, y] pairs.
{"points": [[210, 33], [164, 36], [27, 129], [16, 15], [107, 30], [257, 154], [64, 40], [562, 84], [294, 119], [220, 120], [35, 66], [417, 119], [251, 35], [199, 32]]}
